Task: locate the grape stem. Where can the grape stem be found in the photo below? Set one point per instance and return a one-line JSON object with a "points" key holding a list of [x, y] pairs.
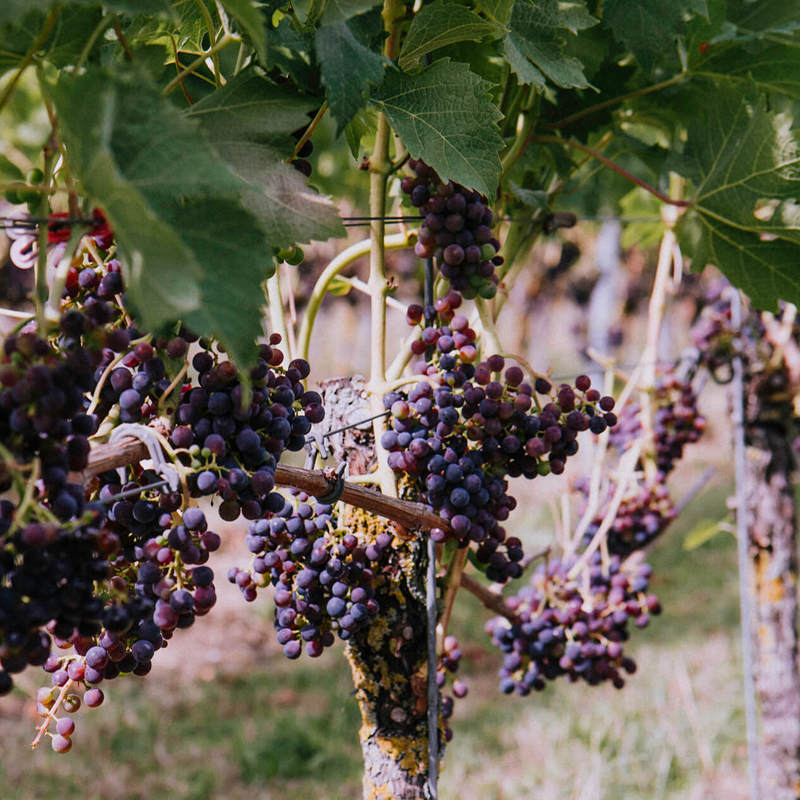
{"points": [[212, 34], [200, 60], [491, 600], [51, 713], [309, 131], [104, 23], [454, 577]]}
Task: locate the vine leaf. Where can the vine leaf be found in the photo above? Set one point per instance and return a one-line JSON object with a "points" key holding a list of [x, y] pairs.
{"points": [[774, 69], [439, 24], [249, 18], [250, 121], [445, 116], [14, 10], [498, 10], [342, 10], [649, 28], [745, 162], [348, 68], [534, 47], [165, 191]]}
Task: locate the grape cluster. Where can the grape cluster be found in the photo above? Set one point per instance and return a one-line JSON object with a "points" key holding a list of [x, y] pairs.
{"points": [[642, 515], [94, 580], [234, 449], [152, 586], [676, 421], [456, 231], [572, 625], [322, 575], [41, 415], [460, 432], [446, 668], [453, 336]]}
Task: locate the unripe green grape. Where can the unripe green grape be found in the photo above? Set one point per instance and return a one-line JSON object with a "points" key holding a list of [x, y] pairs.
{"points": [[295, 256]]}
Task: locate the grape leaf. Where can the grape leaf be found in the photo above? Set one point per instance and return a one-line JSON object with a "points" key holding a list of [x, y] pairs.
{"points": [[163, 189], [441, 23], [445, 116], [13, 10], [773, 69], [290, 52], [533, 46], [222, 242], [767, 271], [348, 68], [252, 108], [745, 162], [342, 10], [248, 16], [250, 121], [498, 10], [649, 28]]}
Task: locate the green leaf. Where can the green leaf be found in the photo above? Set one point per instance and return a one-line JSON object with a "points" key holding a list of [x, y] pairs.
{"points": [[746, 165], [773, 69], [290, 52], [441, 23], [766, 271], [348, 68], [252, 108], [69, 34], [250, 121], [534, 47], [704, 531], [164, 190], [649, 28], [445, 116], [13, 10], [10, 171], [498, 10], [343, 10], [248, 16], [363, 124], [234, 254], [533, 198], [278, 195]]}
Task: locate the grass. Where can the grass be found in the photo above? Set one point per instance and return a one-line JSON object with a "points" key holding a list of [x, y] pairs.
{"points": [[276, 729]]}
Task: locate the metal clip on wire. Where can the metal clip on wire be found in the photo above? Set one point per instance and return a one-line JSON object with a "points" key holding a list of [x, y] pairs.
{"points": [[148, 437], [336, 482], [315, 445]]}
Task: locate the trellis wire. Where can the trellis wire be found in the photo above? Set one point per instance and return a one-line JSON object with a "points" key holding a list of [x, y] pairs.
{"points": [[742, 537], [56, 223]]}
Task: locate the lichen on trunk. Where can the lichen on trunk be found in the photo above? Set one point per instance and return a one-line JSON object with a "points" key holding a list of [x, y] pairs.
{"points": [[389, 659], [773, 543]]}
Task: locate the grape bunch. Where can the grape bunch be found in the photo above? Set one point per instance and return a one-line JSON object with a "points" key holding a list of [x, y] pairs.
{"points": [[446, 668], [464, 428], [151, 587], [643, 514], [41, 415], [676, 421], [323, 576], [573, 625], [234, 449], [456, 231]]}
